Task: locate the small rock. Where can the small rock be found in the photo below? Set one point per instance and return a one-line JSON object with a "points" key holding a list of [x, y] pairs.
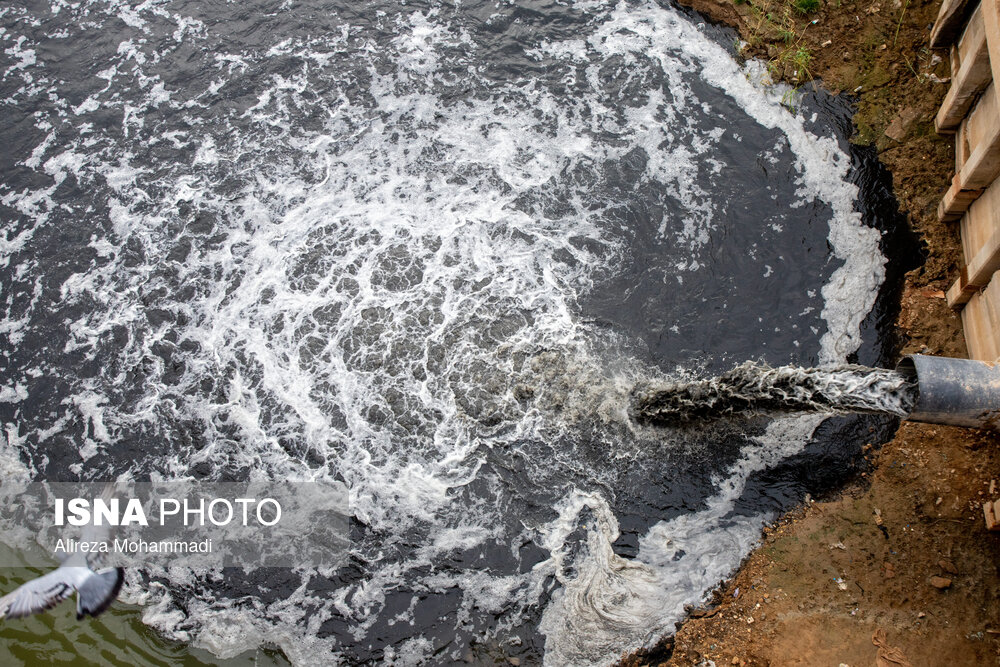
{"points": [[735, 661], [940, 583], [947, 566], [514, 661], [902, 123]]}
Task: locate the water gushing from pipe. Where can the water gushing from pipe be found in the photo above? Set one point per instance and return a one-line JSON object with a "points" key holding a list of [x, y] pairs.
{"points": [[759, 388]]}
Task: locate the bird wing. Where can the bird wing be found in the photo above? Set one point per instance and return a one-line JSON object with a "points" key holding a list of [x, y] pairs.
{"points": [[98, 591], [42, 593]]}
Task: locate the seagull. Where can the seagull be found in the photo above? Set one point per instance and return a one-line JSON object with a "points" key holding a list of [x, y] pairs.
{"points": [[95, 589]]}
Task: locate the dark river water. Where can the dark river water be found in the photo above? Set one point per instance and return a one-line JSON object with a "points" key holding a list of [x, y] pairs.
{"points": [[426, 250]]}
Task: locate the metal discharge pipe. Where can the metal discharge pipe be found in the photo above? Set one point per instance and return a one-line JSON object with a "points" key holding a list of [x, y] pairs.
{"points": [[957, 392]]}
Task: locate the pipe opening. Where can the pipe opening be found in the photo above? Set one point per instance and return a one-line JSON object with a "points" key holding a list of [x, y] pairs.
{"points": [[908, 369], [957, 392]]}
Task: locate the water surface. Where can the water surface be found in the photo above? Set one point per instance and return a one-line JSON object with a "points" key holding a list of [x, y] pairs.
{"points": [[425, 249]]}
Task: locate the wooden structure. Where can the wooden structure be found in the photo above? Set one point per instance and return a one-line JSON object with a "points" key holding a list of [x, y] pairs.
{"points": [[971, 111]]}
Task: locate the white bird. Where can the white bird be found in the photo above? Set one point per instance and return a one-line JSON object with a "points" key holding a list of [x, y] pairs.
{"points": [[95, 589]]}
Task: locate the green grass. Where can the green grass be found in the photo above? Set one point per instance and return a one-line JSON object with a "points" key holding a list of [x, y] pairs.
{"points": [[776, 22], [801, 59]]}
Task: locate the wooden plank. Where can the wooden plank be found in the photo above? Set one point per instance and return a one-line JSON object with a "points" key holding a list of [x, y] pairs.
{"points": [[972, 325], [983, 164], [950, 19], [986, 349], [981, 222], [962, 145], [981, 323], [971, 73], [983, 117], [961, 290], [978, 273], [956, 201], [989, 337], [973, 37], [991, 23], [986, 344]]}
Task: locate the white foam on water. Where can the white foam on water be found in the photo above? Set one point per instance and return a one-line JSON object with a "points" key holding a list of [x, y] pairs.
{"points": [[11, 466], [372, 295], [614, 605]]}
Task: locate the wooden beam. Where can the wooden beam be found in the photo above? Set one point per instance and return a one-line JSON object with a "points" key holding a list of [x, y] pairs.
{"points": [[983, 164], [961, 290], [962, 145], [980, 222], [991, 23], [950, 19], [956, 202], [981, 323], [970, 74], [983, 118], [977, 274]]}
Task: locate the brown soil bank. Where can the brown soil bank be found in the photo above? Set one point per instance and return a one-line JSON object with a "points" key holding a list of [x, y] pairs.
{"points": [[904, 552]]}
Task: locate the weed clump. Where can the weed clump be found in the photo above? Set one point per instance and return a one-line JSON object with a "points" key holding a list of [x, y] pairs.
{"points": [[775, 22]]}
